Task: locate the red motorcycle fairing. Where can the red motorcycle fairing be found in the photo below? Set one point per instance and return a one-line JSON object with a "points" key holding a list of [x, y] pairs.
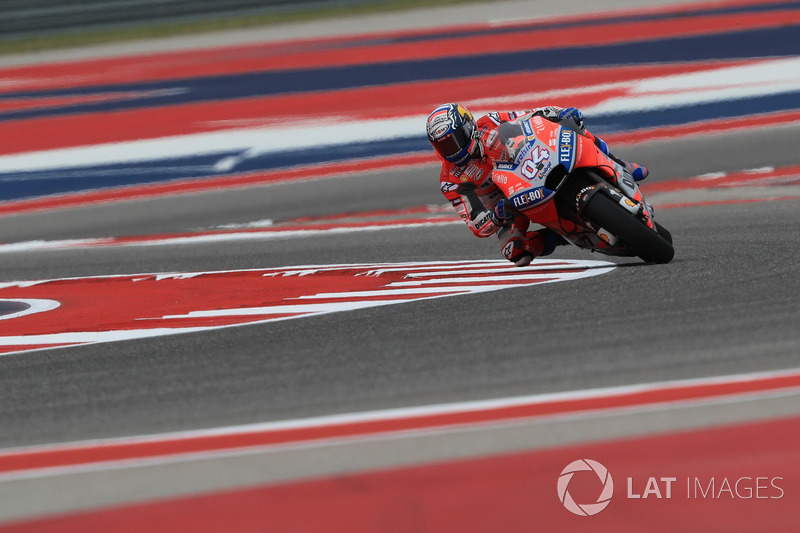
{"points": [[539, 157], [590, 156]]}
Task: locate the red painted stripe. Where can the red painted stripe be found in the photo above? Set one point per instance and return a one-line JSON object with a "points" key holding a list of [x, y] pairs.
{"points": [[512, 493], [47, 133], [706, 127], [283, 228], [93, 453], [779, 176], [21, 104], [413, 159], [422, 209], [680, 205], [305, 54], [365, 165], [319, 226]]}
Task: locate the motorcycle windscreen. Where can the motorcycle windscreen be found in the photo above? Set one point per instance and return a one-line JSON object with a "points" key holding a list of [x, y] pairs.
{"points": [[512, 139]]}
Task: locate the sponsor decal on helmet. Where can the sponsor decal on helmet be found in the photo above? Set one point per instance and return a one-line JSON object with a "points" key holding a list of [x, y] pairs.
{"points": [[440, 122], [441, 130], [464, 112]]}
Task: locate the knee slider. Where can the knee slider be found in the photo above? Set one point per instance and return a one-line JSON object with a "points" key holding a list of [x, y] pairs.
{"points": [[512, 246]]}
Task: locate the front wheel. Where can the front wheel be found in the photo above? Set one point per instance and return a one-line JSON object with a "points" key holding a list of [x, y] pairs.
{"points": [[643, 242], [664, 232]]}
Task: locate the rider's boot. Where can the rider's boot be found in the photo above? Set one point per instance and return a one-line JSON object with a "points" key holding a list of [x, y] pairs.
{"points": [[543, 242], [521, 247], [639, 172]]}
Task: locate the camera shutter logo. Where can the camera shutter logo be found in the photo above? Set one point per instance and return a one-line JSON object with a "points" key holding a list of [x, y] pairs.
{"points": [[585, 509]]}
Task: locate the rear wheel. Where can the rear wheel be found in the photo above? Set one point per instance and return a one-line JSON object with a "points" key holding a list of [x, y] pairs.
{"points": [[643, 242]]}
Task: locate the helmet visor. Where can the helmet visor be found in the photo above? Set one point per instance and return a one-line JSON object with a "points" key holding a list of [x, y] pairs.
{"points": [[452, 146]]}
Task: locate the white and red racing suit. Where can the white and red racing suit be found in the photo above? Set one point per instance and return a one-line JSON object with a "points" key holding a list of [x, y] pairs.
{"points": [[472, 193]]}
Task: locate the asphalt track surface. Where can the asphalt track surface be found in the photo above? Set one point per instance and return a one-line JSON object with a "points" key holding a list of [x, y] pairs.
{"points": [[727, 304]]}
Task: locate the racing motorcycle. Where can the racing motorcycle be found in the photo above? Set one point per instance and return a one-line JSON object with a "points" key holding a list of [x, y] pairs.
{"points": [[561, 180]]}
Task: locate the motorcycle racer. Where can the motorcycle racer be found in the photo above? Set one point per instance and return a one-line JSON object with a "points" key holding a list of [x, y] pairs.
{"points": [[468, 148]]}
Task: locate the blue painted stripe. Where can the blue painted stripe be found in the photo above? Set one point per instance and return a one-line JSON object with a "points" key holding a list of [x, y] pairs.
{"points": [[772, 42], [711, 111], [33, 184], [20, 185]]}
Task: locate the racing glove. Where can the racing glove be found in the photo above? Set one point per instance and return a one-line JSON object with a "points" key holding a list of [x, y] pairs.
{"points": [[503, 214]]}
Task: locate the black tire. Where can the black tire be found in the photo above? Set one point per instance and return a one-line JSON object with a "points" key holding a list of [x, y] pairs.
{"points": [[643, 242], [664, 233]]}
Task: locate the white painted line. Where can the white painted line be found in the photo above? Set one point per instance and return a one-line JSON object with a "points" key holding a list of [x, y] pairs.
{"points": [[33, 246], [423, 412], [37, 305], [138, 324]]}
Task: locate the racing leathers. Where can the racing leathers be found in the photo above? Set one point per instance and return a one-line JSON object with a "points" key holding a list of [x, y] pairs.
{"points": [[482, 205]]}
